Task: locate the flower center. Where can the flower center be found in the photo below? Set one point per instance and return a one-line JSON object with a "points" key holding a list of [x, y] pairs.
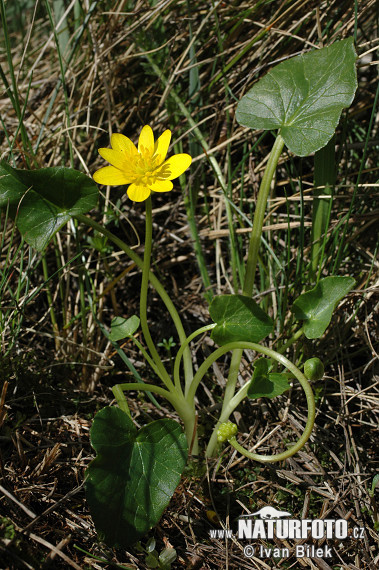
{"points": [[144, 167]]}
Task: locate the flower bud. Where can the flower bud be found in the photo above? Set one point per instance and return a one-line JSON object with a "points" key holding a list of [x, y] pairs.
{"points": [[226, 431], [314, 369]]}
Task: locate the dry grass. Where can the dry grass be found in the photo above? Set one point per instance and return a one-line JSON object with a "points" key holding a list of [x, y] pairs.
{"points": [[45, 413]]}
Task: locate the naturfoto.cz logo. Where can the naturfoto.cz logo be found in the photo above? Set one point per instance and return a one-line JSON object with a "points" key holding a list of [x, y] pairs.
{"points": [[276, 524]]}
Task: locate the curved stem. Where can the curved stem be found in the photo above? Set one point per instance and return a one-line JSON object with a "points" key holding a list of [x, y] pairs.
{"points": [[207, 364], [307, 430], [185, 410], [233, 403], [138, 386], [143, 297], [187, 361], [180, 354]]}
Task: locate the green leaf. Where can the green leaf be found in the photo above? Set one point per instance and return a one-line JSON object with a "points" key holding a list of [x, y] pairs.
{"points": [[315, 307], [375, 483], [264, 384], [151, 560], [303, 97], [123, 328], [150, 545], [134, 475], [42, 201], [238, 318], [167, 557]]}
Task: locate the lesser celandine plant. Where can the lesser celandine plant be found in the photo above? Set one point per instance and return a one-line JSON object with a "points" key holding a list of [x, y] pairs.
{"points": [[135, 472]]}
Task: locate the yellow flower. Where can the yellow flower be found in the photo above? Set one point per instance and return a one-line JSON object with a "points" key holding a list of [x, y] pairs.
{"points": [[145, 169]]}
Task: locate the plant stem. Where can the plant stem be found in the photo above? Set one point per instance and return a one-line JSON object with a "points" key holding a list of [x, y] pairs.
{"points": [[187, 360], [308, 427], [147, 356], [139, 386], [120, 399], [185, 410], [290, 341], [259, 215], [255, 240], [235, 401], [181, 350], [143, 297]]}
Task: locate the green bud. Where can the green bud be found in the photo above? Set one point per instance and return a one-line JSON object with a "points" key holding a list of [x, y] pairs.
{"points": [[226, 431], [314, 369]]}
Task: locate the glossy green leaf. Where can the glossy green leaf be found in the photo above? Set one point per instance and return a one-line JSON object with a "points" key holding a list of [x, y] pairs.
{"points": [[303, 97], [238, 318], [134, 475], [315, 307], [42, 201], [264, 384], [123, 328]]}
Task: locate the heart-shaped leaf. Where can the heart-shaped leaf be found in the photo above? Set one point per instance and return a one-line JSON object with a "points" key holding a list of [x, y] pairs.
{"points": [[238, 318], [315, 307], [264, 384], [42, 201], [123, 328], [134, 475], [303, 97]]}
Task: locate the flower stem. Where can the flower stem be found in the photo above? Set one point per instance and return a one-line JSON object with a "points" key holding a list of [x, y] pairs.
{"points": [[187, 361], [174, 395], [143, 297]]}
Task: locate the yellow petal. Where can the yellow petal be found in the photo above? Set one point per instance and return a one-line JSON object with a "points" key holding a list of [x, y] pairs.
{"points": [[146, 141], [174, 166], [162, 144], [110, 176], [138, 193], [122, 143], [161, 186], [114, 157]]}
